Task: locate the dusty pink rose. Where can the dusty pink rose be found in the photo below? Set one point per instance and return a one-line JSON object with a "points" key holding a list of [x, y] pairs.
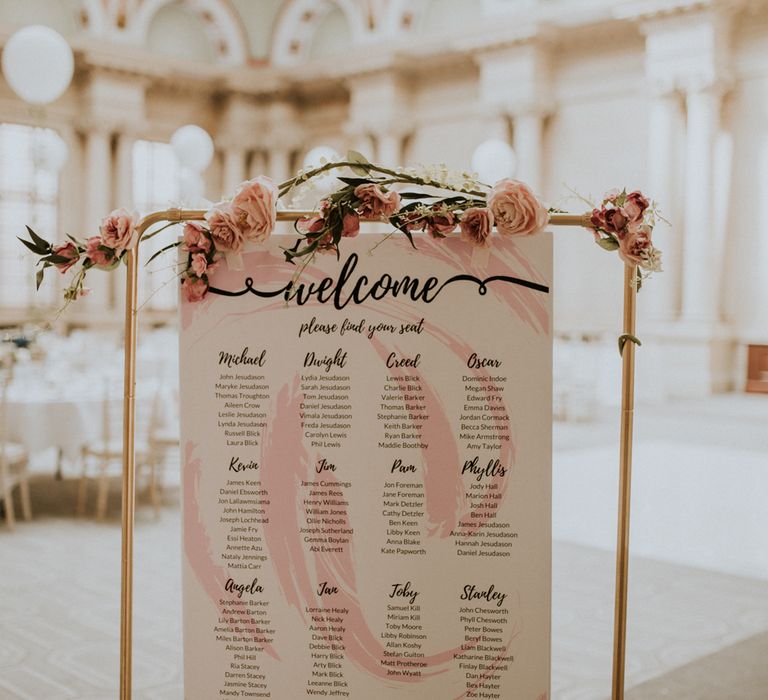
{"points": [[98, 254], [350, 225], [516, 210], [311, 224], [225, 227], [68, 251], [375, 203], [194, 289], [199, 264], [325, 244], [635, 244], [440, 224], [255, 207], [476, 225], [635, 205], [195, 240], [597, 219], [118, 231], [616, 220]]}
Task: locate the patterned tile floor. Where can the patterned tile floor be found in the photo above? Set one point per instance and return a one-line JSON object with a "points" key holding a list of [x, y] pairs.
{"points": [[59, 592], [694, 634]]}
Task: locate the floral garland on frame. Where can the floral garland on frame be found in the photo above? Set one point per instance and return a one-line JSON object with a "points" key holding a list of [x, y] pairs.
{"points": [[432, 200]]}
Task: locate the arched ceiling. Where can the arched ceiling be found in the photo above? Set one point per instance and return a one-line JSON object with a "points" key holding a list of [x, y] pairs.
{"points": [[239, 32]]}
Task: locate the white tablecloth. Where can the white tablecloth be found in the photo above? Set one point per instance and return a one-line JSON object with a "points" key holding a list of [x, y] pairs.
{"points": [[43, 417]]}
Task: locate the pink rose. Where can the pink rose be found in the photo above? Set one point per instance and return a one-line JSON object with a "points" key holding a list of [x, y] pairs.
{"points": [[325, 244], [635, 244], [635, 205], [194, 288], [375, 203], [255, 206], [225, 227], [100, 255], [441, 224], [118, 231], [515, 209], [310, 225], [199, 264], [597, 218], [476, 225], [68, 251], [616, 220], [350, 225], [195, 240]]}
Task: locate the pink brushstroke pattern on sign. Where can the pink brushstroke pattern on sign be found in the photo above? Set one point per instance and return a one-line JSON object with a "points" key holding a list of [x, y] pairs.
{"points": [[286, 464], [285, 461], [198, 549]]}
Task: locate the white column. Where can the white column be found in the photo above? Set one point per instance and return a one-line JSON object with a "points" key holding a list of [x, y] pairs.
{"points": [[97, 205], [280, 164], [662, 303], [258, 164], [528, 144], [70, 184], [98, 177], [124, 171], [389, 151], [700, 268], [123, 191], [234, 170]]}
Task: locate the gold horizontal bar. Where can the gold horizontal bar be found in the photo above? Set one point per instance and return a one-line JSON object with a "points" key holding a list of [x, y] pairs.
{"points": [[294, 215]]}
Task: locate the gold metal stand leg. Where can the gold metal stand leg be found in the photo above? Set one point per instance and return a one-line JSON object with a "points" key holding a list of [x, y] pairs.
{"points": [[625, 483], [129, 477]]}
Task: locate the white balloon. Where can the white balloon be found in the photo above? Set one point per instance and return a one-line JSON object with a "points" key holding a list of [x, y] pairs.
{"points": [[326, 183], [38, 64], [49, 151], [193, 147], [192, 187], [494, 160], [320, 155]]}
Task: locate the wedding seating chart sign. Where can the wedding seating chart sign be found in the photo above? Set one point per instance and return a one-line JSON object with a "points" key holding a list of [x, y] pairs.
{"points": [[366, 455]]}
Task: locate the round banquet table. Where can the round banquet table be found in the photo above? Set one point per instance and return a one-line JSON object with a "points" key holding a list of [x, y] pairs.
{"points": [[42, 415]]}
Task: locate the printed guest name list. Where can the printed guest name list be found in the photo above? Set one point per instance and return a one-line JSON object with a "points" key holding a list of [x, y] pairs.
{"points": [[366, 474]]}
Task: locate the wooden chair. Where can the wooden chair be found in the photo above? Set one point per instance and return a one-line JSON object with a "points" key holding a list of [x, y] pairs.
{"points": [[13, 463], [163, 439], [103, 460]]}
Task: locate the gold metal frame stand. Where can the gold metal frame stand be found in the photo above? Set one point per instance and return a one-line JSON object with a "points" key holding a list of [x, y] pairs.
{"points": [[129, 463]]}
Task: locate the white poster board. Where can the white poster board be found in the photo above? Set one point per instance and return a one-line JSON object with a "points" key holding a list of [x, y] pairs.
{"points": [[367, 474]]}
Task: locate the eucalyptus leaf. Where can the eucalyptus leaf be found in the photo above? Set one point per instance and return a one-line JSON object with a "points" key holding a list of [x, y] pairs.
{"points": [[362, 165], [39, 278], [627, 337], [608, 243], [356, 157]]}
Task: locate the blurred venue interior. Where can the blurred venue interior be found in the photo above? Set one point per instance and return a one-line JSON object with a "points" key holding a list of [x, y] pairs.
{"points": [[573, 97]]}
